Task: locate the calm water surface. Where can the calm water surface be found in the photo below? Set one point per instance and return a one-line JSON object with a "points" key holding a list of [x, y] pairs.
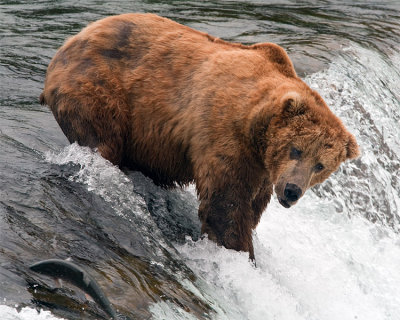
{"points": [[336, 255]]}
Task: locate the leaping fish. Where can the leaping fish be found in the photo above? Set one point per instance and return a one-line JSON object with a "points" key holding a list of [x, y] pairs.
{"points": [[70, 272]]}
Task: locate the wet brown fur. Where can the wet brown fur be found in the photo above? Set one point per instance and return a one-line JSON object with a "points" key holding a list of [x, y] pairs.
{"points": [[183, 106]]}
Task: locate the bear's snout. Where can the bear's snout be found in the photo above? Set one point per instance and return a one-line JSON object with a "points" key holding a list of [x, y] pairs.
{"points": [[289, 195], [292, 192]]}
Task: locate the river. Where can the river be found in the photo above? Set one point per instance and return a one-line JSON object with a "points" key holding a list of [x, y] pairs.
{"points": [[335, 255]]}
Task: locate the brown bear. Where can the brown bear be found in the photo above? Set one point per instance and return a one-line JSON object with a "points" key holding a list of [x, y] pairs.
{"points": [[182, 106]]}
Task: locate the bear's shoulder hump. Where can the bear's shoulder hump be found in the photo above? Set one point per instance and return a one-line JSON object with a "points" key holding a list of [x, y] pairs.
{"points": [[278, 56]]}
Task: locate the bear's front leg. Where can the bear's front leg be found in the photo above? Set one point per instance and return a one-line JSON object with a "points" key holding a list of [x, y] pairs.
{"points": [[227, 218], [261, 200]]}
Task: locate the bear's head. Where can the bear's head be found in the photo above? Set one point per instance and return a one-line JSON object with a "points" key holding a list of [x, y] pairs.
{"points": [[305, 143]]}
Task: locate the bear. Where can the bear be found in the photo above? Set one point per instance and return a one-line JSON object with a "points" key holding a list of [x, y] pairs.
{"points": [[182, 106]]}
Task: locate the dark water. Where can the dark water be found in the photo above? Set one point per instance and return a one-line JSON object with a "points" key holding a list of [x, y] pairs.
{"points": [[65, 202]]}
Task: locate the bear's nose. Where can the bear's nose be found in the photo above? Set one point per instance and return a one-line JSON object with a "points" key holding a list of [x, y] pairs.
{"points": [[292, 192]]}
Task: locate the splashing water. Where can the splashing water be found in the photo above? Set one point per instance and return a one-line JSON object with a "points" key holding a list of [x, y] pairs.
{"points": [[8, 313], [362, 88], [95, 171], [311, 264]]}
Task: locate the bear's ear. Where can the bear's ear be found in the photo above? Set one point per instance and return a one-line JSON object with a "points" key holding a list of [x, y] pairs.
{"points": [[352, 147], [293, 105]]}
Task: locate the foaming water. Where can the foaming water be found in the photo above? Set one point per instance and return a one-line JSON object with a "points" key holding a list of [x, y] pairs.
{"points": [[311, 264], [362, 88], [8, 313], [98, 173], [106, 180]]}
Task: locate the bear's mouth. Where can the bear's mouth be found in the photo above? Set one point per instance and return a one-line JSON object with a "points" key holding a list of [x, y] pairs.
{"points": [[284, 203]]}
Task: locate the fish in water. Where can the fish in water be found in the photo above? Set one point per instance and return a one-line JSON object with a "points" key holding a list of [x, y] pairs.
{"points": [[68, 271]]}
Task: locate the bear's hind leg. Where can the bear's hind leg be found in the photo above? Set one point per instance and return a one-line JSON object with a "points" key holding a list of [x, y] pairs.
{"points": [[112, 153], [92, 124]]}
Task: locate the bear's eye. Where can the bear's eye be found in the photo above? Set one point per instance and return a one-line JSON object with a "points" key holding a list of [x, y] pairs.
{"points": [[319, 167], [295, 154]]}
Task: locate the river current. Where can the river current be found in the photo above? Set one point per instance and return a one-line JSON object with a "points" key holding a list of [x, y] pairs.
{"points": [[335, 255]]}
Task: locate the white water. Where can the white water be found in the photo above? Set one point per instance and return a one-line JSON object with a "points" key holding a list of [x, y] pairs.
{"points": [[311, 264], [363, 88], [8, 313], [321, 259]]}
